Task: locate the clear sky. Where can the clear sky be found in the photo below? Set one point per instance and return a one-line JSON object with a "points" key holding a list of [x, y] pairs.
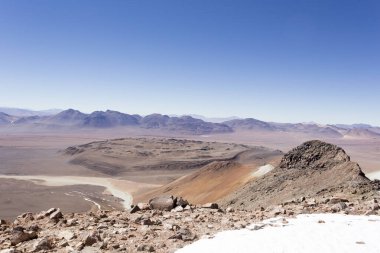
{"points": [[286, 61]]}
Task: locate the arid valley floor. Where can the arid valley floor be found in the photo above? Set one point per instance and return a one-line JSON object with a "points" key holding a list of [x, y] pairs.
{"points": [[138, 164]]}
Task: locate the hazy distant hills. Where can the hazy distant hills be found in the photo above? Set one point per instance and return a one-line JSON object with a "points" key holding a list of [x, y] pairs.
{"points": [[25, 112], [74, 119], [110, 119], [5, 118]]}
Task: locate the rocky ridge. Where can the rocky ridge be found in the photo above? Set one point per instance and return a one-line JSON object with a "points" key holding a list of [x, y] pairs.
{"points": [[314, 169]]}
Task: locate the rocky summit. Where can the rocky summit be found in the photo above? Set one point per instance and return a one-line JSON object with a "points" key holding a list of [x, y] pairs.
{"points": [[314, 169]]}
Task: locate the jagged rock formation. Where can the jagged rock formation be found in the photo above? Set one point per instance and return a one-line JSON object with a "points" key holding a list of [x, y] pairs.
{"points": [[314, 169]]}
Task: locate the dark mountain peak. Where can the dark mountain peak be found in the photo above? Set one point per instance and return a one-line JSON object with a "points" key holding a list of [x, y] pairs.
{"points": [[155, 120], [314, 154], [70, 112], [109, 118], [67, 117], [249, 124]]}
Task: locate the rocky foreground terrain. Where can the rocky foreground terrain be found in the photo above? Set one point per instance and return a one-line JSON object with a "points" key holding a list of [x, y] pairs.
{"points": [[166, 224]]}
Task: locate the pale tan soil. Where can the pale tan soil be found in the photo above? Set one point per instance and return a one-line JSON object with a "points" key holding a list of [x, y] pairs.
{"points": [[20, 195]]}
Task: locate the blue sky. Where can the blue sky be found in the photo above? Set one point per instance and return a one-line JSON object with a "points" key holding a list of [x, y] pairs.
{"points": [[277, 60]]}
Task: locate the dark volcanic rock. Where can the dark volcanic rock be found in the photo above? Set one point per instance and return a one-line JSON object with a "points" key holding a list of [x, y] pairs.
{"points": [[314, 154]]}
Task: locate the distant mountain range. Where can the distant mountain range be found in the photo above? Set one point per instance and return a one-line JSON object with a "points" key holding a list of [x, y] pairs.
{"points": [[25, 112], [74, 119], [110, 119]]}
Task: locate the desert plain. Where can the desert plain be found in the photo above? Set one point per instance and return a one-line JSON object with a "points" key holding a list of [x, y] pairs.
{"points": [[111, 169]]}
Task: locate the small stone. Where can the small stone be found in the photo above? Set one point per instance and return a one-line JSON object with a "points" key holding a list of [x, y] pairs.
{"points": [[135, 209], [336, 200], [21, 236], [147, 222], [256, 227], [184, 234], [143, 206], [90, 239], [56, 215], [144, 247], [211, 205], [177, 209], [66, 234], [10, 251], [339, 207], [50, 211], [43, 244]]}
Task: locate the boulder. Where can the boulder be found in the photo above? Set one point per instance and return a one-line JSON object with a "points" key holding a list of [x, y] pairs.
{"points": [[164, 203], [22, 236], [43, 244]]}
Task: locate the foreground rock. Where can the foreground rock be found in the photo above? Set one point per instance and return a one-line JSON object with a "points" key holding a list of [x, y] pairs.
{"points": [[155, 230]]}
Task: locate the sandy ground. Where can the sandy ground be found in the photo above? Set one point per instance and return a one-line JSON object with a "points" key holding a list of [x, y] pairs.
{"points": [[121, 189], [19, 196], [329, 233]]}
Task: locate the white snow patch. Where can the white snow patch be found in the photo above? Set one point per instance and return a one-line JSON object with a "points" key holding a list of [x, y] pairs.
{"points": [[305, 234], [373, 175], [261, 171]]}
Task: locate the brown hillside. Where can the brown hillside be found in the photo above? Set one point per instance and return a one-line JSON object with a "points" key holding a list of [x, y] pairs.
{"points": [[217, 179]]}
